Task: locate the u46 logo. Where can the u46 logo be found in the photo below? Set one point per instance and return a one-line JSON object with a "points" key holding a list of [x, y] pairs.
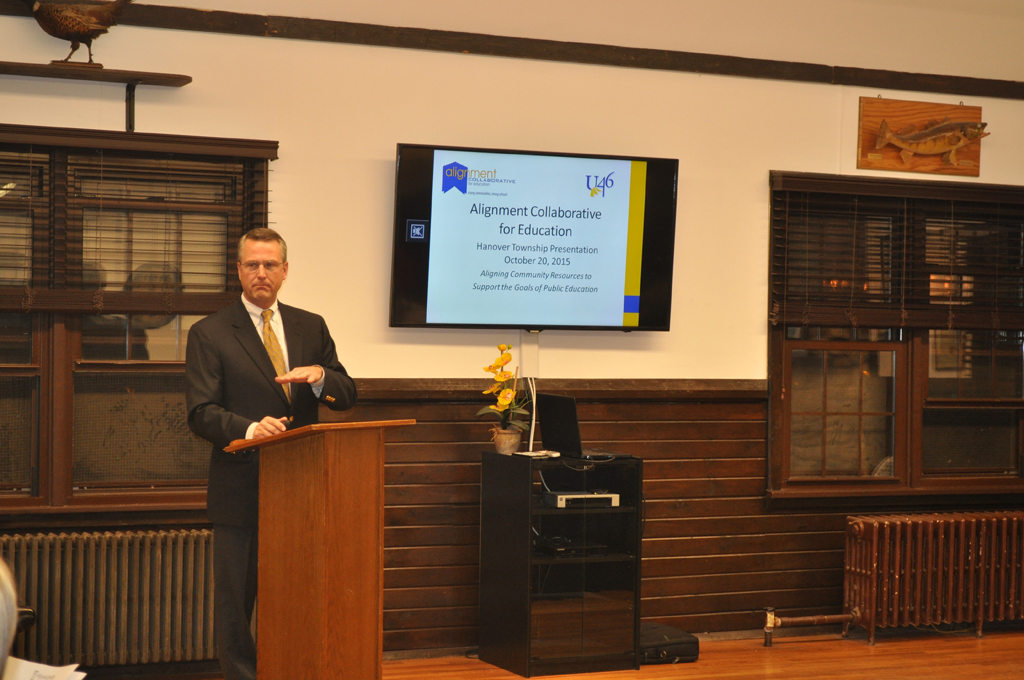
{"points": [[598, 184]]}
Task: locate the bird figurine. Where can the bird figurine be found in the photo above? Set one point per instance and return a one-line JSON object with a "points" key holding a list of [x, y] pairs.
{"points": [[80, 24]]}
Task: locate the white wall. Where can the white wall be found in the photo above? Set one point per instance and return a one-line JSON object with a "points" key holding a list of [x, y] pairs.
{"points": [[338, 111]]}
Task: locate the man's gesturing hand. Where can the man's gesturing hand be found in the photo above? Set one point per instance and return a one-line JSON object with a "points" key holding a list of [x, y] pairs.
{"points": [[302, 374]]}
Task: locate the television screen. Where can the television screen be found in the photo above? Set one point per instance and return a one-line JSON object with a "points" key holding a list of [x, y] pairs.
{"points": [[516, 239]]}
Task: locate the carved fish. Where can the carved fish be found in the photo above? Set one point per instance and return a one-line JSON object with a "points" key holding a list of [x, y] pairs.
{"points": [[937, 137]]}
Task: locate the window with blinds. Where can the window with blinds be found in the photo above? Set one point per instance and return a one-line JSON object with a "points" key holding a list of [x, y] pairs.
{"points": [[126, 233], [111, 246], [896, 318], [24, 215], [935, 254]]}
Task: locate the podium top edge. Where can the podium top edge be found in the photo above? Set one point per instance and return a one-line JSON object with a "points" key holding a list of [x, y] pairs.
{"points": [[308, 430]]}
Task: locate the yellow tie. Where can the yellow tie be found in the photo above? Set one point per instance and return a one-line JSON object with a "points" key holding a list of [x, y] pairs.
{"points": [[274, 349]]}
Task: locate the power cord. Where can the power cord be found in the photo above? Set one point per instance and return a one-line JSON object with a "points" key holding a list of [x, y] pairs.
{"points": [[531, 386]]}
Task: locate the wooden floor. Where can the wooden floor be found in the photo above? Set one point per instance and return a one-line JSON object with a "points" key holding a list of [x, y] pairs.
{"points": [[996, 656], [900, 654]]}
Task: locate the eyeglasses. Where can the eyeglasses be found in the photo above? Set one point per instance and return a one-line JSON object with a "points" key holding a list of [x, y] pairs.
{"points": [[268, 267]]}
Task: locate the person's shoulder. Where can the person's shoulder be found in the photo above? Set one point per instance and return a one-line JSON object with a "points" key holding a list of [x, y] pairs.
{"points": [[229, 315], [301, 315]]}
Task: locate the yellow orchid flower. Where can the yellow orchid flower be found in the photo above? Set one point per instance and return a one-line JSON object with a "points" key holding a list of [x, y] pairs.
{"points": [[510, 402]]}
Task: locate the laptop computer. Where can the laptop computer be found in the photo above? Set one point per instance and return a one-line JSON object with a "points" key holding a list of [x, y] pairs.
{"points": [[560, 427]]}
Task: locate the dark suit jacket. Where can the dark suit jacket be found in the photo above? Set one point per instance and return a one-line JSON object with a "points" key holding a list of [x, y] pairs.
{"points": [[230, 384]]}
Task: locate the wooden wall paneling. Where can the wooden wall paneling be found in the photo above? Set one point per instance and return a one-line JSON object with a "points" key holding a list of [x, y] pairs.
{"points": [[692, 449], [433, 515], [706, 487], [735, 525], [714, 603], [750, 563], [432, 519], [432, 535], [750, 543], [423, 577], [433, 494], [676, 586], [457, 638], [674, 411], [430, 617], [444, 472], [713, 556], [708, 467], [681, 431], [428, 556], [443, 596], [675, 508]]}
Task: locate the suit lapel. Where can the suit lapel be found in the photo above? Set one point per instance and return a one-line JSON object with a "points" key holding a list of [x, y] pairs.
{"points": [[249, 339]]}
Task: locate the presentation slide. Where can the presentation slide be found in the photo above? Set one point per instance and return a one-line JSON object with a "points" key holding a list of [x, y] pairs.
{"points": [[546, 240]]}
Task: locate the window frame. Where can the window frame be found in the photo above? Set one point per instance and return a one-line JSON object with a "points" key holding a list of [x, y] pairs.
{"points": [[982, 482], [914, 313], [40, 369], [57, 303], [900, 386]]}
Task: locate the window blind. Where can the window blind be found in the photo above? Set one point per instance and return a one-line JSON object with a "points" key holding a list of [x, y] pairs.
{"points": [[121, 231], [853, 251]]}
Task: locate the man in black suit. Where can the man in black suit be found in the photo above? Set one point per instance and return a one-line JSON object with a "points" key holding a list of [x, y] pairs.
{"points": [[253, 370]]}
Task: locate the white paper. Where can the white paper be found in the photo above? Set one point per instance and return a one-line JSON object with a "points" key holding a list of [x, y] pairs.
{"points": [[19, 669]]}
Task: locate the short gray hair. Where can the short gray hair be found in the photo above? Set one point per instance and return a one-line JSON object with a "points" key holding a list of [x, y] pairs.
{"points": [[263, 234], [8, 613]]}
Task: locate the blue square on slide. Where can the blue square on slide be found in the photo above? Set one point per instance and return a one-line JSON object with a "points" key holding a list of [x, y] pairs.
{"points": [[631, 304]]}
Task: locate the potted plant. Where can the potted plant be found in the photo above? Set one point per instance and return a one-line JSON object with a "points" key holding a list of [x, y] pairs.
{"points": [[507, 433]]}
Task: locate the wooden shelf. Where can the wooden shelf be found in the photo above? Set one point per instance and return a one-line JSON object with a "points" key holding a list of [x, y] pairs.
{"points": [[96, 73], [78, 71]]}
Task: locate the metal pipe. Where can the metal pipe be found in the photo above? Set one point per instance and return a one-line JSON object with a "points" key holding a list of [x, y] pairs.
{"points": [[772, 621]]}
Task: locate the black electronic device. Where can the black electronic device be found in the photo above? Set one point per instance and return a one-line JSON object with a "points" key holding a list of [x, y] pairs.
{"points": [[661, 643], [487, 238], [561, 546], [560, 428], [580, 499]]}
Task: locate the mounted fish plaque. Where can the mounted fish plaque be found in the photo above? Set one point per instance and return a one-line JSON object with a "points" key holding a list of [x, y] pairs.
{"points": [[943, 139]]}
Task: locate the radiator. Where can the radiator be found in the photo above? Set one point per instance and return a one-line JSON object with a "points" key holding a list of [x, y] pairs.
{"points": [[909, 570], [105, 599]]}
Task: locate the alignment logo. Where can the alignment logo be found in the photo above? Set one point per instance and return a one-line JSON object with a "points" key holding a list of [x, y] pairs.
{"points": [[453, 176]]}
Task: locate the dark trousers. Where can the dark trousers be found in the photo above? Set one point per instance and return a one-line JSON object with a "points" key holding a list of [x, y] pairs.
{"points": [[234, 573]]}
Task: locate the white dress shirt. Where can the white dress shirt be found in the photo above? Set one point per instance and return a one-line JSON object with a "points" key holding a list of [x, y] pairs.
{"points": [[256, 314]]}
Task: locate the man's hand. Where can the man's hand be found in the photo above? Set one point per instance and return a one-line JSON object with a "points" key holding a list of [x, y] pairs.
{"points": [[302, 374], [269, 426]]}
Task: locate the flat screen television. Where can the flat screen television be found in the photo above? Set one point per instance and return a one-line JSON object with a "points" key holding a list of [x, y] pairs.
{"points": [[487, 238]]}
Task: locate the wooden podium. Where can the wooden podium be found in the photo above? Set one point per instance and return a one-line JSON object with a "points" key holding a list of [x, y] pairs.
{"points": [[321, 551]]}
